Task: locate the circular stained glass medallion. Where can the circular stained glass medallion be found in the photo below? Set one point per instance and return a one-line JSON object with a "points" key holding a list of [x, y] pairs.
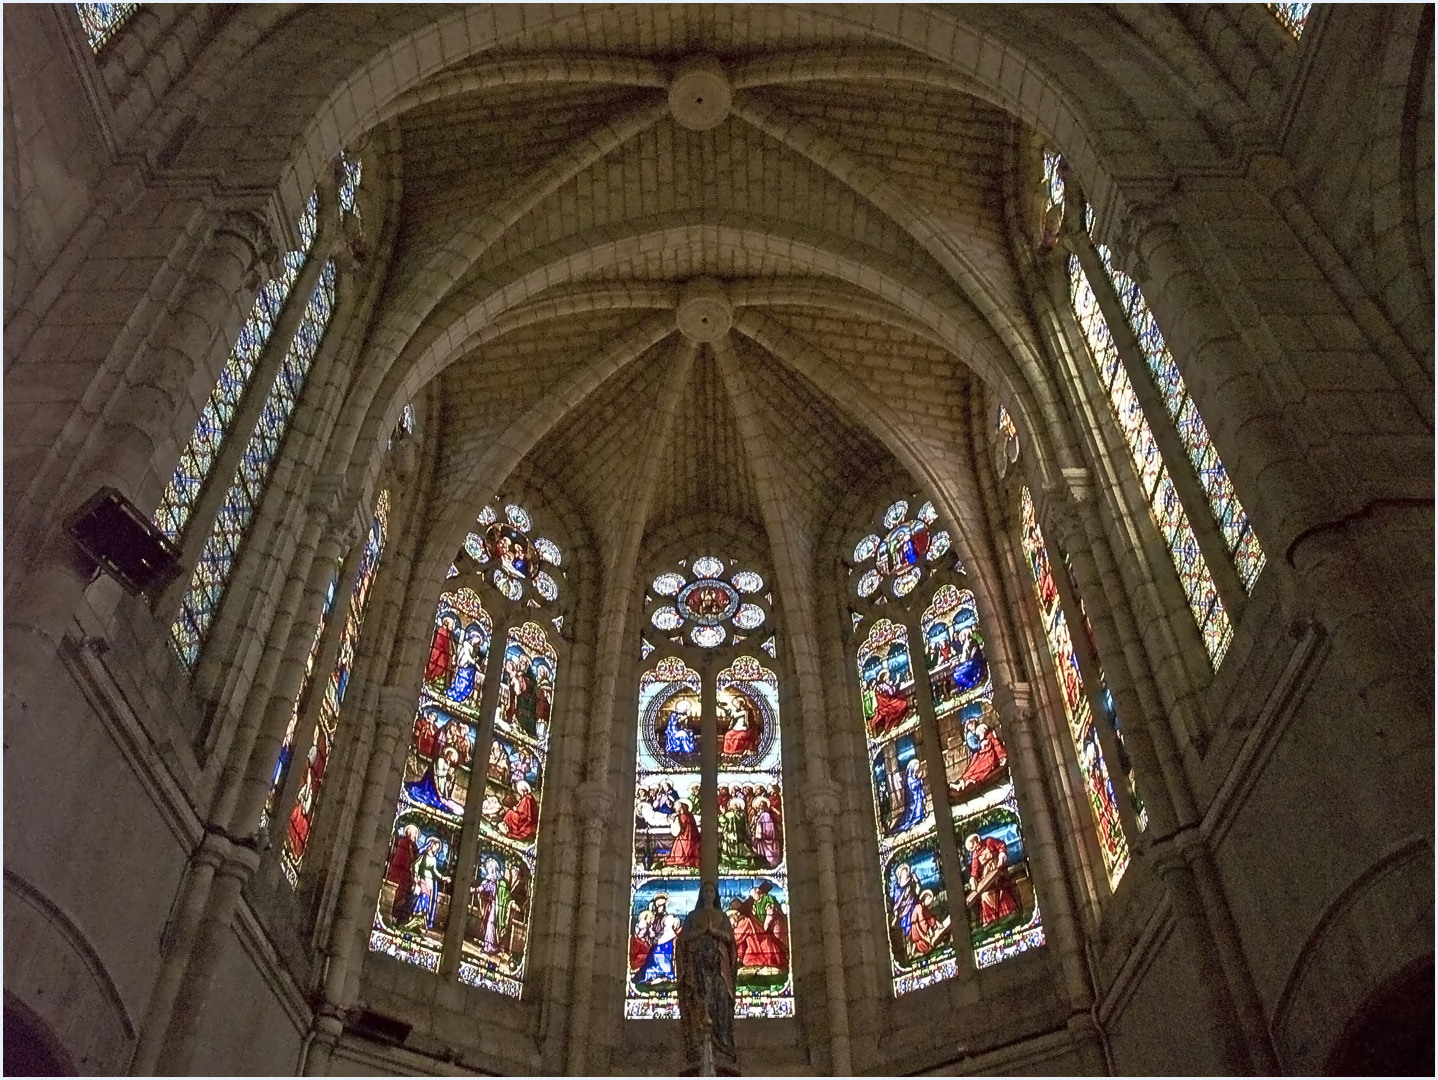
{"points": [[895, 514], [668, 584], [746, 581], [905, 582], [486, 516], [509, 586], [927, 514], [866, 547], [869, 582], [545, 586], [548, 551], [938, 544], [517, 517], [708, 637], [749, 617], [474, 548], [707, 566], [666, 618], [513, 550], [708, 601]]}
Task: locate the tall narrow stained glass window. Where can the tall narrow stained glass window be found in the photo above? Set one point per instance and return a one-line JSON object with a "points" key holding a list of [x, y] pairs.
{"points": [[1113, 844], [282, 763], [1163, 502], [944, 725], [704, 612], [297, 831], [221, 549], [102, 21], [502, 579]]}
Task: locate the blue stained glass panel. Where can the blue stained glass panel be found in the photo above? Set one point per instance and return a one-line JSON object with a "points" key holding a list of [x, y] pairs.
{"points": [[201, 601], [218, 414], [102, 21]]}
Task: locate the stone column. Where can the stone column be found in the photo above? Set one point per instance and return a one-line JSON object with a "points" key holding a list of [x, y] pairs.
{"points": [[821, 802], [256, 742], [345, 948], [1015, 707], [194, 894], [178, 1049], [593, 802]]}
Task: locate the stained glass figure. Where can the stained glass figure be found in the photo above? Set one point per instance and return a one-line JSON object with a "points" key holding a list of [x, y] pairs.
{"points": [[282, 763], [1168, 513], [297, 832], [350, 171], [664, 881], [921, 950], [1294, 17], [753, 870], [502, 896], [1113, 844], [102, 21], [1228, 512], [222, 548], [999, 895], [417, 892]]}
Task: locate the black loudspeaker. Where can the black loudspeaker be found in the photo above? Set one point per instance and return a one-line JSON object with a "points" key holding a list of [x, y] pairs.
{"points": [[124, 543]]}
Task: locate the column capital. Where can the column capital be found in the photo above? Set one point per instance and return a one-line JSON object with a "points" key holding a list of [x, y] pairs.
{"points": [[396, 706], [1015, 702], [325, 500], [1057, 508], [821, 802], [593, 802], [254, 229]]}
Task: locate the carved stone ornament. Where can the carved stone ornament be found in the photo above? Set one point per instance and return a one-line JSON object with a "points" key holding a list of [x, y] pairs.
{"points": [[705, 964]]}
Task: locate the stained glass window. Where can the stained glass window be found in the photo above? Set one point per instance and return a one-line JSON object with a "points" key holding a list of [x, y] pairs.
{"points": [[708, 605], [222, 547], [1293, 16], [999, 894], [1233, 523], [921, 950], [963, 737], [502, 896], [101, 21], [282, 763], [1113, 844], [1110, 710], [417, 892], [753, 869], [664, 881], [1168, 512], [496, 580], [350, 171], [297, 832], [1053, 182], [218, 414]]}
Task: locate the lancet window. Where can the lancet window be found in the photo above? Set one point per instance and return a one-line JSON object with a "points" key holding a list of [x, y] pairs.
{"points": [[927, 702], [220, 552], [506, 588], [322, 741], [1148, 370], [709, 750], [102, 21]]}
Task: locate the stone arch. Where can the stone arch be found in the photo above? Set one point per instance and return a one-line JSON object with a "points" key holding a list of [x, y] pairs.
{"points": [[1368, 935], [54, 973]]}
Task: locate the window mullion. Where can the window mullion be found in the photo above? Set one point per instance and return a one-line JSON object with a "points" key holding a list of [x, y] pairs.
{"points": [[464, 865], [939, 783], [708, 774], [1165, 433]]}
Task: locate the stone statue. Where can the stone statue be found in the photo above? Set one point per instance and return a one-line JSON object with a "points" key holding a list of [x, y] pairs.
{"points": [[705, 963]]}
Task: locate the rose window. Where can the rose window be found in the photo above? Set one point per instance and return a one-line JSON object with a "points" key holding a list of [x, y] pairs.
{"points": [[901, 553], [708, 603]]}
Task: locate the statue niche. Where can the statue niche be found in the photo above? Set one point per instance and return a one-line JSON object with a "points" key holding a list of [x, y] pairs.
{"points": [[705, 962]]}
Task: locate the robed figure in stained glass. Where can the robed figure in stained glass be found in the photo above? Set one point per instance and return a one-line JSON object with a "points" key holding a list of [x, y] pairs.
{"points": [[991, 886], [912, 912], [685, 851]]}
